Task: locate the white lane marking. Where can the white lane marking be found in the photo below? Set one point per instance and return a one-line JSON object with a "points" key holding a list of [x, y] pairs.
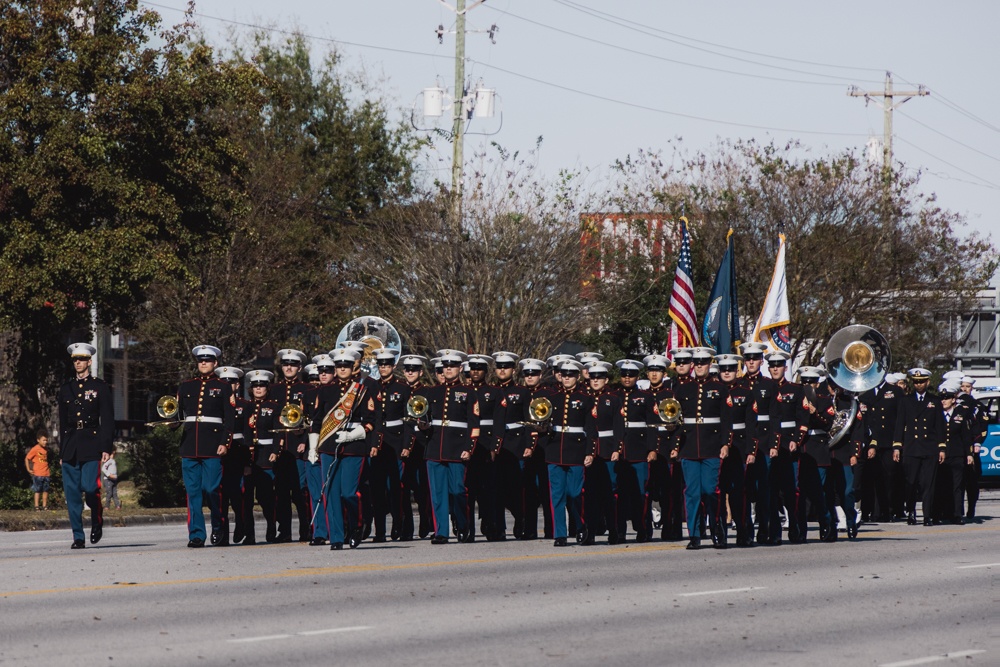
{"points": [[933, 658], [304, 633], [309, 633], [972, 567], [727, 590]]}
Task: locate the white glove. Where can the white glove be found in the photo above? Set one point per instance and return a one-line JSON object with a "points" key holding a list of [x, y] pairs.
{"points": [[356, 433], [313, 448]]}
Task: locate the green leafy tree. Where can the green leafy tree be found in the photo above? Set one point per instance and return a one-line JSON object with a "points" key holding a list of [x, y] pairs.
{"points": [[117, 164]]}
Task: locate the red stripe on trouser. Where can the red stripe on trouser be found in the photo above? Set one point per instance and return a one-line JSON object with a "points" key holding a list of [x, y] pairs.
{"points": [[357, 494], [430, 500], [718, 494]]}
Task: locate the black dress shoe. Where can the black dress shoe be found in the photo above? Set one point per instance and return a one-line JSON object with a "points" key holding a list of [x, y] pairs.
{"points": [[215, 538], [958, 521], [439, 539], [249, 542], [196, 543], [356, 538], [96, 532], [613, 538], [582, 536], [928, 521], [406, 538], [465, 536], [238, 536], [304, 539], [695, 543], [528, 536], [223, 542], [379, 539], [281, 539], [911, 520], [852, 531], [560, 542], [641, 538], [78, 544], [336, 546], [317, 541]]}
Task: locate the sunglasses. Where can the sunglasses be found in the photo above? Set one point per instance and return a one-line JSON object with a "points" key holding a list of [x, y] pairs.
{"points": [[702, 362], [412, 369], [291, 363], [325, 370], [343, 364], [570, 374], [531, 373], [384, 363], [451, 364], [504, 364]]}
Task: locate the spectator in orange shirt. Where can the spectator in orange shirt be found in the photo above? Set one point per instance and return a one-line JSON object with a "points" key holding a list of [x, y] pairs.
{"points": [[37, 463]]}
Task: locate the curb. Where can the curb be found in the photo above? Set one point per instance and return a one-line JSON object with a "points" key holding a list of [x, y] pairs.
{"points": [[117, 522]]}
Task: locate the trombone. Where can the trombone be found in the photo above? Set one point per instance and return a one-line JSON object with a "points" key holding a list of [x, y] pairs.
{"points": [[670, 410], [169, 410]]}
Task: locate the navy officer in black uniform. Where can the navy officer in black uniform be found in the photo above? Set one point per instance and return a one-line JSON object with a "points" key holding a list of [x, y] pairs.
{"points": [[207, 409], [920, 442], [86, 429]]}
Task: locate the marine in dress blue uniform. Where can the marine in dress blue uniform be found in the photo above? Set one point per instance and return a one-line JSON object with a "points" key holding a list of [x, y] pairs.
{"points": [[740, 414], [290, 485], [393, 434], [638, 451], [701, 448], [532, 371], [601, 478], [672, 514], [449, 437], [482, 480], [763, 390], [261, 438], [814, 458], [569, 446], [919, 442], [344, 455], [86, 430], [207, 410], [789, 419], [513, 446], [415, 488], [325, 375], [236, 462]]}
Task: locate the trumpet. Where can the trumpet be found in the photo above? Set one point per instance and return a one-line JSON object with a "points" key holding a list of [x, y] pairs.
{"points": [[540, 410], [169, 410], [670, 410], [417, 407], [293, 418]]}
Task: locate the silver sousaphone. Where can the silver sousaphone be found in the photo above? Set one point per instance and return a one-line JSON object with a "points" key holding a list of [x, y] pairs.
{"points": [[857, 359], [375, 333]]}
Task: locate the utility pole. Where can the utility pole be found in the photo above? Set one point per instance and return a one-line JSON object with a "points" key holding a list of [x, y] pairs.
{"points": [[888, 105], [458, 125]]}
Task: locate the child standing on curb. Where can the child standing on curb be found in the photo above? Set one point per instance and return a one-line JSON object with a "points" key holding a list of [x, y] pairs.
{"points": [[37, 464]]}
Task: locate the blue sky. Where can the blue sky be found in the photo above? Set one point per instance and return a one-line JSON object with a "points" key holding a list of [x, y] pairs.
{"points": [[599, 80]]}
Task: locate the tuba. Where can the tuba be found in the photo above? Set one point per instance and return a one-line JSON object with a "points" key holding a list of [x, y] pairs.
{"points": [[670, 410], [169, 410], [857, 359], [417, 407], [375, 333]]}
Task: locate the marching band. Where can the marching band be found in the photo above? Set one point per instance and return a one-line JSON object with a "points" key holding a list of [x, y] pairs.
{"points": [[718, 446]]}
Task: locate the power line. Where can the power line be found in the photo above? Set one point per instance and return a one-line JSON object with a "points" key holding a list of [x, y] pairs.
{"points": [[682, 62], [665, 111], [644, 29], [936, 131], [956, 108], [988, 184]]}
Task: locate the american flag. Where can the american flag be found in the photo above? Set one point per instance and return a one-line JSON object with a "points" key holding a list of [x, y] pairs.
{"points": [[683, 326]]}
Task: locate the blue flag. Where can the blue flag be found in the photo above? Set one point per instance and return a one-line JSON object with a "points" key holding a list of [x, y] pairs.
{"points": [[721, 328]]}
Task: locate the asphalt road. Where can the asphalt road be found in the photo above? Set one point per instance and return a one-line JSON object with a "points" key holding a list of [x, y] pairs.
{"points": [[901, 595]]}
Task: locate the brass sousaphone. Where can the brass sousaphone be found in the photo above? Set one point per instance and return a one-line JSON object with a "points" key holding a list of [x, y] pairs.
{"points": [[857, 359]]}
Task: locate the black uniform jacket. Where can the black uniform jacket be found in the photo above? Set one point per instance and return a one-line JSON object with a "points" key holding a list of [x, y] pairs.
{"points": [[740, 413], [366, 412], [920, 425], [789, 416], [817, 441], [704, 433], [981, 417], [259, 432], [239, 451], [573, 429], [454, 417], [209, 421], [284, 392], [512, 409], [853, 442], [763, 390], [641, 422], [879, 407], [394, 430], [959, 432], [86, 419], [610, 424]]}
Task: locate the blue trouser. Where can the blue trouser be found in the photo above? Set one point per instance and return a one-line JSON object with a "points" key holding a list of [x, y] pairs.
{"points": [[202, 479], [633, 489], [448, 495], [314, 482], [840, 484], [701, 487], [343, 494], [811, 481], [565, 491], [82, 478]]}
